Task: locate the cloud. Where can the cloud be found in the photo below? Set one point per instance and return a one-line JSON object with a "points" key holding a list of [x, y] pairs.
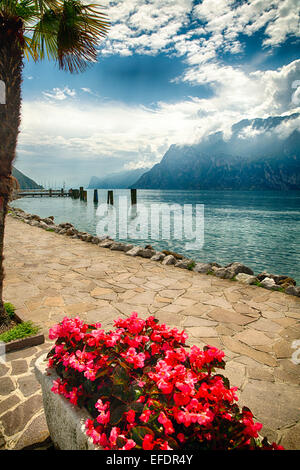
{"points": [[58, 94], [199, 31], [139, 135]]}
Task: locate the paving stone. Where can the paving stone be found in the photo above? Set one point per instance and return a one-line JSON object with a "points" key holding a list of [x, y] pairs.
{"points": [[36, 432], [20, 354], [238, 347], [274, 404], [202, 332], [14, 421], [235, 372], [283, 349], [54, 302], [28, 385], [169, 318], [19, 367], [260, 373], [245, 309], [291, 438], [266, 325], [226, 316], [287, 377], [8, 403], [253, 337], [6, 386], [99, 291], [3, 369], [195, 321]]}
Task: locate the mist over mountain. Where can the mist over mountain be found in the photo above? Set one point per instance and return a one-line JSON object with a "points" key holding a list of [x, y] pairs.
{"points": [[24, 181], [259, 154], [121, 180]]}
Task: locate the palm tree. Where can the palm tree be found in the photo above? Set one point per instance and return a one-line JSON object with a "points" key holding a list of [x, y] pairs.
{"points": [[67, 31]]}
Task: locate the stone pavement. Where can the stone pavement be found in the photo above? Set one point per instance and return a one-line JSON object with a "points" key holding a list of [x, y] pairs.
{"points": [[49, 276]]}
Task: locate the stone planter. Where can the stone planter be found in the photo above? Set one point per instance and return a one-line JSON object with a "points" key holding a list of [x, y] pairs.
{"points": [[65, 421]]}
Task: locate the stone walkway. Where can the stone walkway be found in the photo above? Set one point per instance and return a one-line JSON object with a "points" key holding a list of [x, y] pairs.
{"points": [[49, 276]]}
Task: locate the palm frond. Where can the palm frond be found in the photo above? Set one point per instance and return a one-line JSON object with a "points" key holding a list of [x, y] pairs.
{"points": [[67, 31]]}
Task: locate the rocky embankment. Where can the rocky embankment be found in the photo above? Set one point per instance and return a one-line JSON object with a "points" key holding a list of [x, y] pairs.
{"points": [[233, 271]]}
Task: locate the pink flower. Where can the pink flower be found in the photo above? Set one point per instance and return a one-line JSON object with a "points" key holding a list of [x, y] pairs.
{"points": [[148, 443], [166, 422], [145, 416], [130, 416], [130, 444]]}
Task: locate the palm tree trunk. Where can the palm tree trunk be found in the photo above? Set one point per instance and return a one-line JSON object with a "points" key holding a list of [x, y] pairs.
{"points": [[11, 62]]}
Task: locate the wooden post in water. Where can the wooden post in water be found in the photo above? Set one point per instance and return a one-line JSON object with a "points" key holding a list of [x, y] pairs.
{"points": [[50, 192], [133, 197], [85, 196], [62, 192], [110, 197], [71, 193], [81, 193], [96, 196]]}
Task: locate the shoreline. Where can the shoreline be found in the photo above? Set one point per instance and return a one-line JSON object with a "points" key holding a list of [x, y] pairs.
{"points": [[234, 271], [49, 277]]}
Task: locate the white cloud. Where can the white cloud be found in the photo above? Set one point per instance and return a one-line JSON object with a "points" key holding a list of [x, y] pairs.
{"points": [[153, 26], [140, 135], [58, 94]]}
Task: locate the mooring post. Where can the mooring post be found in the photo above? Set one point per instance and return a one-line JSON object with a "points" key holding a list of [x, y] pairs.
{"points": [[50, 192], [85, 196], [133, 197], [110, 197], [62, 192], [81, 193], [96, 196]]}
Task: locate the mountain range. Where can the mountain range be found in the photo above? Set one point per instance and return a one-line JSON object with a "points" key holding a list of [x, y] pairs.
{"points": [[120, 180], [258, 155], [24, 181]]}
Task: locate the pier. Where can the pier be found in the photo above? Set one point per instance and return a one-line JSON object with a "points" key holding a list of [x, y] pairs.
{"points": [[42, 193]]}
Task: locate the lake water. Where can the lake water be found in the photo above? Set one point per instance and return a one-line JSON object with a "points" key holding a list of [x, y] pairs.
{"points": [[258, 228]]}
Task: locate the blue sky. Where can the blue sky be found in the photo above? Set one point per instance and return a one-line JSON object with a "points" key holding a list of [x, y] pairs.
{"points": [[168, 73]]}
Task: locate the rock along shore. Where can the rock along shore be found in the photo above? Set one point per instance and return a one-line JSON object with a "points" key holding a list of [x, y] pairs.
{"points": [[234, 271]]}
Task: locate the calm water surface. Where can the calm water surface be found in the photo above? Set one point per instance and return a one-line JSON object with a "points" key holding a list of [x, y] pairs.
{"points": [[258, 228]]}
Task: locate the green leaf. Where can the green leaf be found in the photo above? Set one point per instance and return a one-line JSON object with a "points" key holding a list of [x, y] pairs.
{"points": [[139, 432], [117, 414], [172, 443], [225, 380], [120, 376]]}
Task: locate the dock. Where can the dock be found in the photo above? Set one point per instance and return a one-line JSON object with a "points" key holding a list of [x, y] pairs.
{"points": [[42, 193]]}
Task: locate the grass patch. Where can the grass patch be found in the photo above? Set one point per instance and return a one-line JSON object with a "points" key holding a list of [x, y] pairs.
{"points": [[258, 284], [210, 273], [50, 230], [22, 330], [191, 265], [10, 309], [280, 289]]}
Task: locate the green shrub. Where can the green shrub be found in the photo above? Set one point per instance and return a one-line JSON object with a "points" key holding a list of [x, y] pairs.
{"points": [[22, 330], [10, 309], [191, 265]]}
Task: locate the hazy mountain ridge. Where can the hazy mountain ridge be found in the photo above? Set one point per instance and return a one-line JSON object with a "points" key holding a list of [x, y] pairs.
{"points": [[121, 180], [24, 181], [254, 157]]}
